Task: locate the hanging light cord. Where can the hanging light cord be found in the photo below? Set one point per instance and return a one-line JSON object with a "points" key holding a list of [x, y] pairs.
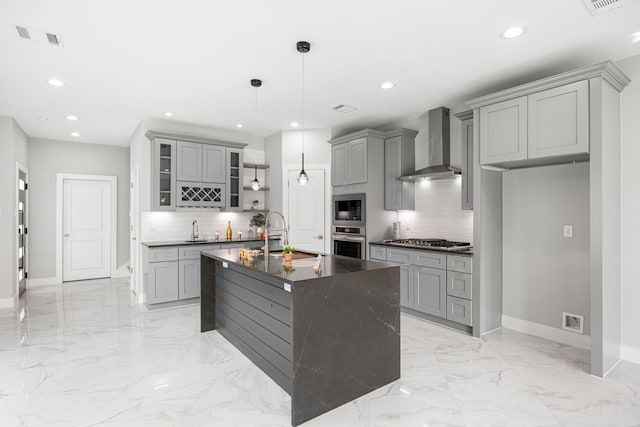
{"points": [[303, 104]]}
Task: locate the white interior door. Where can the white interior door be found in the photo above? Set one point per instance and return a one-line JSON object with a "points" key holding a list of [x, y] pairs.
{"points": [[306, 211], [133, 229], [86, 229]]}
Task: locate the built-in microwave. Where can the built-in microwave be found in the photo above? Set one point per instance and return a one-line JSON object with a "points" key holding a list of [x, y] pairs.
{"points": [[349, 210]]}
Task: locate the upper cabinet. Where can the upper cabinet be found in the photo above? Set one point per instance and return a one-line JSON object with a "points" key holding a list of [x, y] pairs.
{"points": [[340, 164], [558, 121], [351, 157], [192, 171], [541, 127], [399, 159], [466, 119]]}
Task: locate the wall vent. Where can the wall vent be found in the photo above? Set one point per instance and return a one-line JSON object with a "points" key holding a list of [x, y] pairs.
{"points": [[598, 7], [344, 108], [573, 322], [37, 35]]}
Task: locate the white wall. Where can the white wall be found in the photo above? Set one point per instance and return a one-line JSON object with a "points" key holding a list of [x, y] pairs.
{"points": [[14, 146], [273, 155], [630, 209], [49, 158], [545, 273]]}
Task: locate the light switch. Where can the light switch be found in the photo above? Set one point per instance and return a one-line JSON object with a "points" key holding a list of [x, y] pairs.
{"points": [[568, 231]]}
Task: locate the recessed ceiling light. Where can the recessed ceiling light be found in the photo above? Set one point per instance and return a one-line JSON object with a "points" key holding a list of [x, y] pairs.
{"points": [[76, 134], [512, 33], [239, 125], [635, 37], [43, 119], [168, 114], [387, 85], [295, 124], [56, 82], [72, 118]]}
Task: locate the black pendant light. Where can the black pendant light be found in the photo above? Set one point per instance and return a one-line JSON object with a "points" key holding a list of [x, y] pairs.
{"points": [[303, 47], [255, 184]]}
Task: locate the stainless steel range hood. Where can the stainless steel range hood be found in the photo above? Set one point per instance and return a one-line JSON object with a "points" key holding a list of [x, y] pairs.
{"points": [[439, 149]]}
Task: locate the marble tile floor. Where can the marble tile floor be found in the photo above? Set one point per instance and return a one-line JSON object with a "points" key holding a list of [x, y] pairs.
{"points": [[85, 354]]}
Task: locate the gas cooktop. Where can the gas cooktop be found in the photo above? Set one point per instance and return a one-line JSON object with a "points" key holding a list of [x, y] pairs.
{"points": [[436, 244]]}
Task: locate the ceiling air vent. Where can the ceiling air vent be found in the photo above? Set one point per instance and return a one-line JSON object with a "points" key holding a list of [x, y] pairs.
{"points": [[37, 35], [53, 39], [22, 32], [598, 7], [344, 108]]}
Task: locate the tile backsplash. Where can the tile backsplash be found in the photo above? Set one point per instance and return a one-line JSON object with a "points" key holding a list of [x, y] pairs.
{"points": [[159, 226], [437, 212]]}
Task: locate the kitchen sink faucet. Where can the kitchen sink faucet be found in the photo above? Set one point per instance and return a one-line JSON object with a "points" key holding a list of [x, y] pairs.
{"points": [[284, 230], [195, 233]]}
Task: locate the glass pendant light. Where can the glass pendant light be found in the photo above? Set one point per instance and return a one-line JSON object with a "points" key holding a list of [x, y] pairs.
{"points": [[303, 47], [255, 184]]}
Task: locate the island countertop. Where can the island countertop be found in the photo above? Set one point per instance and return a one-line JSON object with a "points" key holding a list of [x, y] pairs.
{"points": [[160, 243], [301, 269]]}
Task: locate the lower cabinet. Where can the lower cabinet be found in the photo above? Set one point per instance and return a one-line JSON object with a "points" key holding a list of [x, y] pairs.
{"points": [[162, 279], [459, 310], [189, 279], [430, 290], [406, 286]]}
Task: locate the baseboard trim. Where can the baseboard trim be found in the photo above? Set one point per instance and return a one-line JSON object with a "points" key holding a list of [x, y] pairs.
{"points": [[44, 281], [9, 302], [122, 271], [630, 354], [547, 332]]}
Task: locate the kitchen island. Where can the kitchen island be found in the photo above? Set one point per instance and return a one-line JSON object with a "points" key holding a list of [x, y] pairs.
{"points": [[325, 337]]}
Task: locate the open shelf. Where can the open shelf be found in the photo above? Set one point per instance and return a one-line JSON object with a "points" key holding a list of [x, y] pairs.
{"points": [[256, 166], [262, 211]]}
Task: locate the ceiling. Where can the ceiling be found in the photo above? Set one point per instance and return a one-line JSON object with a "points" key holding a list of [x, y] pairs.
{"points": [[127, 61]]}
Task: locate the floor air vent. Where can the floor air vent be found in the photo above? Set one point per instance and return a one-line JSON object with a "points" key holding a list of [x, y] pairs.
{"points": [[598, 7]]}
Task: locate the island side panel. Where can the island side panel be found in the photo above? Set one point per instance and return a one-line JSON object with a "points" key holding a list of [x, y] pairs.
{"points": [[207, 294], [346, 339]]}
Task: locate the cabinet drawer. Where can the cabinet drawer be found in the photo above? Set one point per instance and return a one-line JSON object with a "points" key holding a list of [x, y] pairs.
{"points": [[379, 253], [400, 256], [430, 259], [230, 245], [193, 252], [459, 284], [459, 310], [163, 254], [461, 264]]}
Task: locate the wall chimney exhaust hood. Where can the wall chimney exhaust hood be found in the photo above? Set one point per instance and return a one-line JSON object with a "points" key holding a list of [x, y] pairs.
{"points": [[439, 150]]}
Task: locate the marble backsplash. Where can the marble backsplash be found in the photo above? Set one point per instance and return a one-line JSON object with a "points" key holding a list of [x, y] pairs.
{"points": [[437, 212]]}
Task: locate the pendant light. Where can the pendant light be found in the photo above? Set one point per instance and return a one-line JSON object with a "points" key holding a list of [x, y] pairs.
{"points": [[255, 184], [303, 47]]}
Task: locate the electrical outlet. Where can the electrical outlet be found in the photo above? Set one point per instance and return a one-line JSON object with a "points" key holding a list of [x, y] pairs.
{"points": [[568, 231]]}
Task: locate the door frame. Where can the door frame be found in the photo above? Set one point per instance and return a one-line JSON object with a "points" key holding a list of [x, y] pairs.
{"points": [[286, 168], [21, 167], [113, 181]]}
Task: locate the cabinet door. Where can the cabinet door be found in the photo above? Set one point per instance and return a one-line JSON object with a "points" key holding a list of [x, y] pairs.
{"points": [[189, 161], [406, 286], [378, 252], [163, 175], [339, 161], [213, 163], [235, 170], [503, 131], [467, 164], [430, 291], [559, 121], [162, 285], [357, 172], [392, 170], [189, 280], [459, 310]]}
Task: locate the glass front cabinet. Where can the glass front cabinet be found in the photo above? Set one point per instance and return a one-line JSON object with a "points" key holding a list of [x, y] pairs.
{"points": [[163, 152], [234, 179]]}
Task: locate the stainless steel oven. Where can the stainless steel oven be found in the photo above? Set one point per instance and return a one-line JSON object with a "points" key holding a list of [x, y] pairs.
{"points": [[349, 241], [349, 210]]}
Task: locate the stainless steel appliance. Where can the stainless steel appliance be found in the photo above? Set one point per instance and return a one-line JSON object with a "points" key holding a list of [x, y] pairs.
{"points": [[349, 210], [436, 244], [349, 241]]}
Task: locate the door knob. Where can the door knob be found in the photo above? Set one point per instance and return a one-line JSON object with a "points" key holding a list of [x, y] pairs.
{"points": [[66, 235], [319, 236]]}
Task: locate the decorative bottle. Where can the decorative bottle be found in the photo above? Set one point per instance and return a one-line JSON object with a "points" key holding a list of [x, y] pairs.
{"points": [[229, 231]]}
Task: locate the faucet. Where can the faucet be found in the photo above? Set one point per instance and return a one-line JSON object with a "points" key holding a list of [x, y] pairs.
{"points": [[194, 230], [284, 229]]}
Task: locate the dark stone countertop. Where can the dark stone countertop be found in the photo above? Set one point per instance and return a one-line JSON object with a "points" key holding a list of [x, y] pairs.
{"points": [[301, 269], [201, 242], [461, 252]]}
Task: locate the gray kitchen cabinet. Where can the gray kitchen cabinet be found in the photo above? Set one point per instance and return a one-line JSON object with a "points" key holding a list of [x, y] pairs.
{"points": [[467, 159], [235, 170], [189, 279], [503, 131], [430, 259], [349, 162], [430, 291], [189, 156], [399, 159], [400, 256], [378, 253], [214, 163], [459, 284], [459, 310], [163, 175], [200, 194], [162, 282], [339, 164], [558, 121], [406, 286], [460, 263]]}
